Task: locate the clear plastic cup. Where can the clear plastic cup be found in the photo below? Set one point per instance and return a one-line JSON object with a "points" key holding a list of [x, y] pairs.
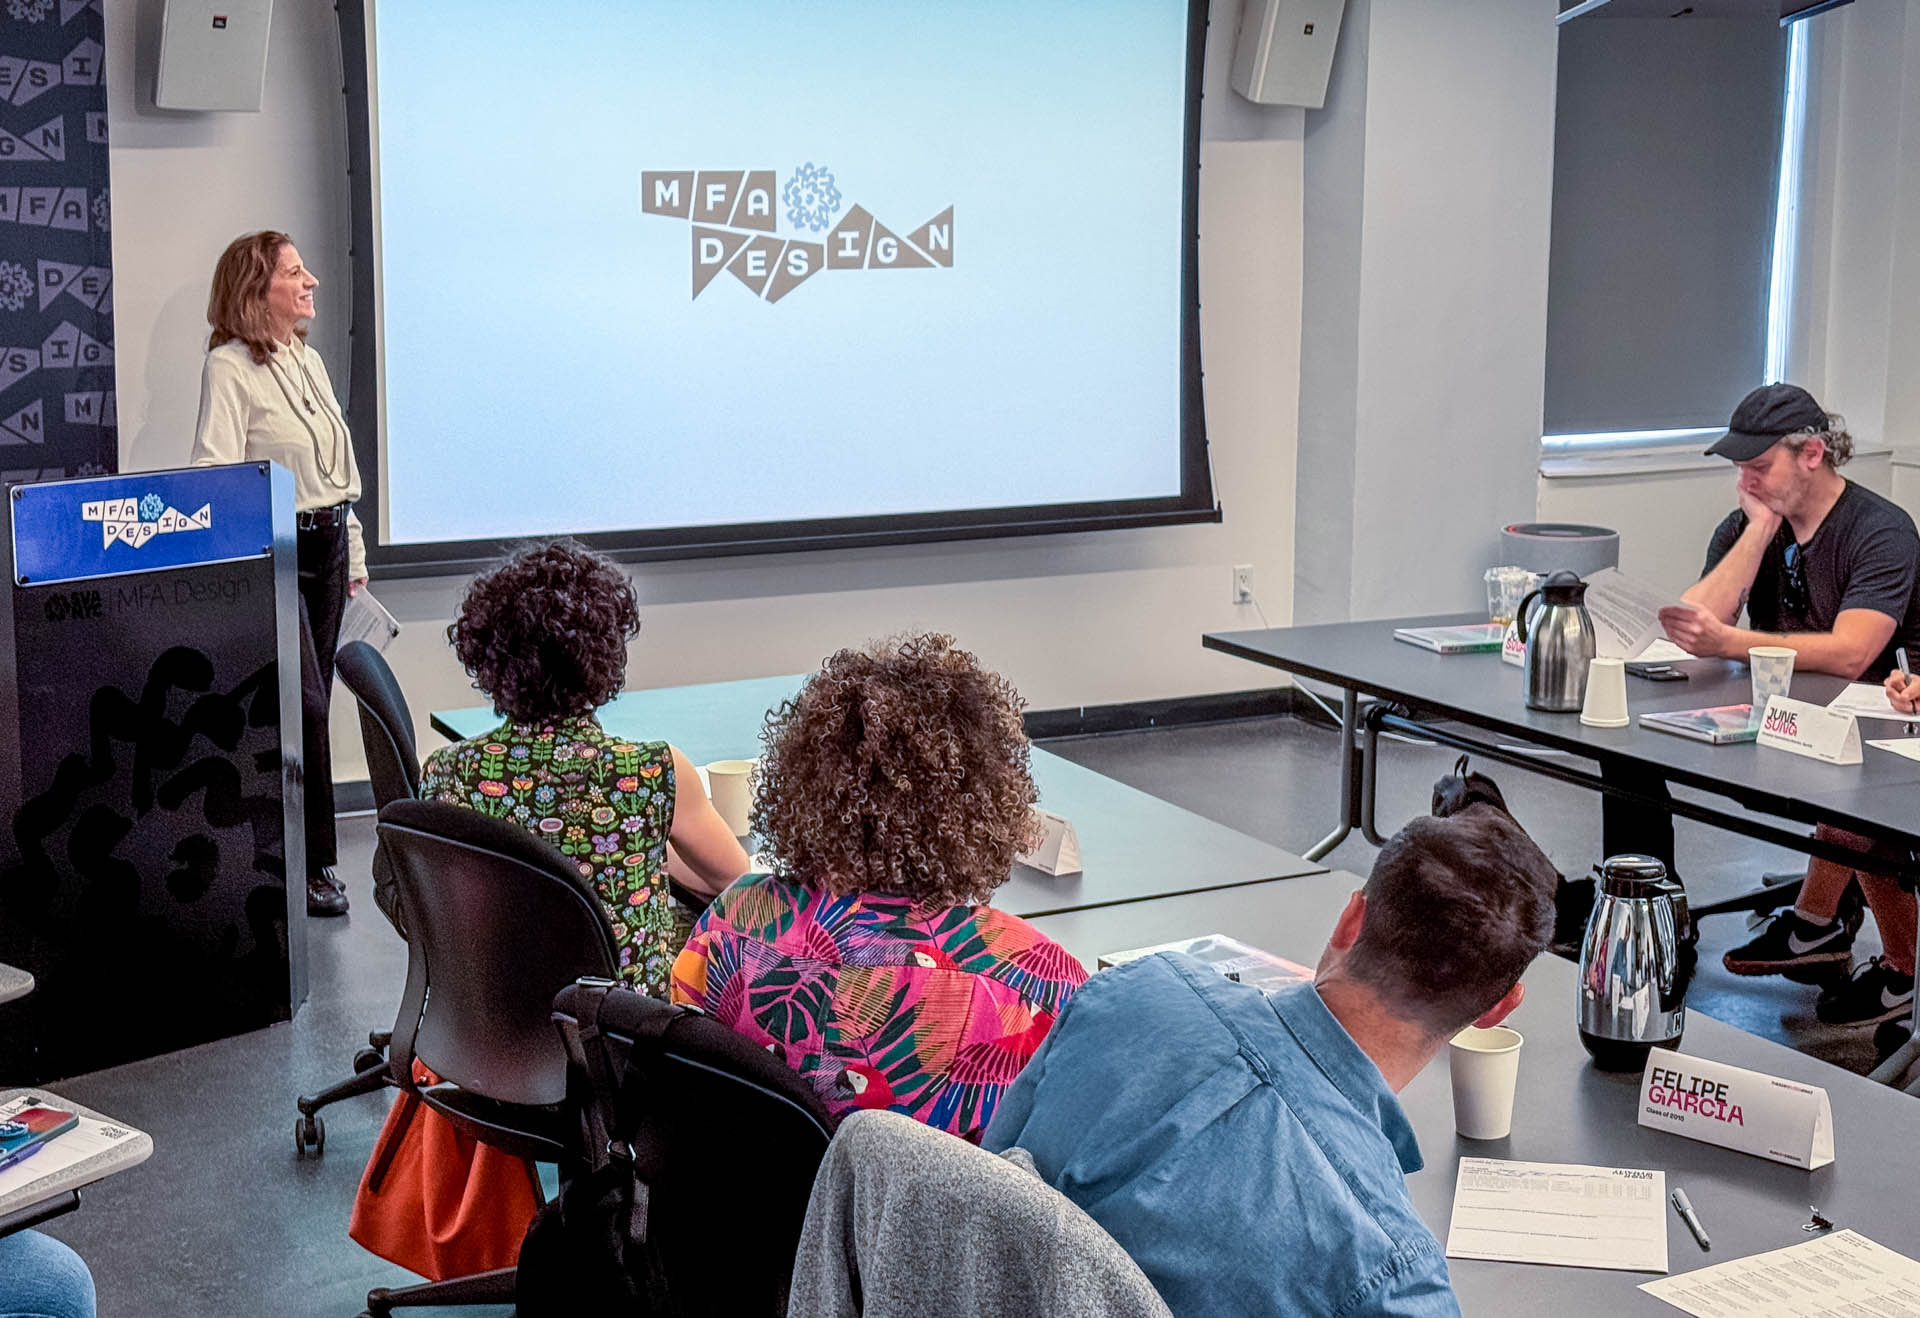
{"points": [[1506, 587]]}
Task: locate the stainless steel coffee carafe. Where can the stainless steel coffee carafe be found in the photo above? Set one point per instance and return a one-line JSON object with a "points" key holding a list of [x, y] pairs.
{"points": [[1632, 993], [1560, 643]]}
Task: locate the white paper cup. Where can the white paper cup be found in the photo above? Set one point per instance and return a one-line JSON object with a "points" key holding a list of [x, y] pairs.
{"points": [[1772, 667], [1485, 1065], [1606, 703], [730, 784]]}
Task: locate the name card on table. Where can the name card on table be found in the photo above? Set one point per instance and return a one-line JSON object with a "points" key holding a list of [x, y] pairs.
{"points": [[1059, 850], [1814, 731], [1738, 1109], [1513, 650]]}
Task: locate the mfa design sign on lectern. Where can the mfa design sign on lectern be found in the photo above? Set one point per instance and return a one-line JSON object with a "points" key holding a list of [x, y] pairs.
{"points": [[150, 800]]}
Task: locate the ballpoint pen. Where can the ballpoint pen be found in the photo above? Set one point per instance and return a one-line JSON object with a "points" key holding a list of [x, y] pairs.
{"points": [[1688, 1216], [1900, 661]]}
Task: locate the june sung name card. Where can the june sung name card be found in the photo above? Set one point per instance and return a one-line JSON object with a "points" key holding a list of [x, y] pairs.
{"points": [[1811, 730]]}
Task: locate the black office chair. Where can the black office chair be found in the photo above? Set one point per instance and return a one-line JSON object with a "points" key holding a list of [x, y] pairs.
{"points": [[393, 769], [498, 922], [693, 1124]]}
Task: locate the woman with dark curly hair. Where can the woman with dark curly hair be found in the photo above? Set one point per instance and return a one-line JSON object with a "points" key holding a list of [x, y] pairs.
{"points": [[893, 798], [544, 634]]}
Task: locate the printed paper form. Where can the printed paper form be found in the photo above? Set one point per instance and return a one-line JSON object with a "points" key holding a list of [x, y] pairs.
{"points": [[1843, 1274], [1562, 1213], [63, 1150], [1625, 613], [1868, 700], [366, 619]]}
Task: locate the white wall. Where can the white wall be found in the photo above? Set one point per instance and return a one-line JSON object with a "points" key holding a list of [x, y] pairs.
{"points": [[1862, 294], [1077, 619], [1430, 186]]}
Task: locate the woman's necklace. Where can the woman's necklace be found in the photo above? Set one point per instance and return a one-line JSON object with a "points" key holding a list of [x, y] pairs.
{"points": [[337, 430]]}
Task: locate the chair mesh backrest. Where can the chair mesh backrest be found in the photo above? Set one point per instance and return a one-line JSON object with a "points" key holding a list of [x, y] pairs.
{"points": [[741, 1134], [386, 728], [504, 922]]}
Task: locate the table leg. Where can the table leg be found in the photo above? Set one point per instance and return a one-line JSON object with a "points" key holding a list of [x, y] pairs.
{"points": [[1633, 825], [1350, 771]]}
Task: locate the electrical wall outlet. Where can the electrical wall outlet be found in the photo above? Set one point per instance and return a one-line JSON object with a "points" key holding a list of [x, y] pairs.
{"points": [[1243, 583]]}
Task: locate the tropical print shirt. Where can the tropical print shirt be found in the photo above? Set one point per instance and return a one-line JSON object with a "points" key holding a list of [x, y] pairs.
{"points": [[879, 1002], [607, 804]]}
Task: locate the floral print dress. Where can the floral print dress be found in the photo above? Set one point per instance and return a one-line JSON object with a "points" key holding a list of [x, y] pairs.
{"points": [[606, 804], [879, 1001]]}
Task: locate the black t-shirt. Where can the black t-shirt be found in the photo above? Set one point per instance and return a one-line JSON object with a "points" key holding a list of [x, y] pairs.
{"points": [[1866, 555]]}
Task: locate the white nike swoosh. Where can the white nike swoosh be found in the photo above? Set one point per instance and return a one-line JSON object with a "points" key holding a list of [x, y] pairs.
{"points": [[1799, 947], [1889, 999]]}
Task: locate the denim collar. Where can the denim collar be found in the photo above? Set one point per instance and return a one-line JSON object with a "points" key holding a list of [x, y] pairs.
{"points": [[1322, 1038]]}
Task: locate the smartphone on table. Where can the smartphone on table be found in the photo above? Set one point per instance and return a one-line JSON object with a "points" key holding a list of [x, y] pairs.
{"points": [[27, 1130]]}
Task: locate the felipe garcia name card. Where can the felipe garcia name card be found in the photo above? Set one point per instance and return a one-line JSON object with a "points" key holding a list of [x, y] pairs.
{"points": [[1737, 1109]]}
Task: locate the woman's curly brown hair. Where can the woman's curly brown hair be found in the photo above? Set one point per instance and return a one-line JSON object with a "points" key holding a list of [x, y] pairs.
{"points": [[902, 769], [544, 632]]}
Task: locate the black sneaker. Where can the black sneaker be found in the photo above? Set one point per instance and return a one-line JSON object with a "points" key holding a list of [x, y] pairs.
{"points": [[1787, 942], [1877, 992]]}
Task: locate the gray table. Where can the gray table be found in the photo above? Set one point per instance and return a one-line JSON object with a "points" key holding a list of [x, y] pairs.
{"points": [[1879, 798], [1132, 845], [1566, 1111], [59, 1192], [14, 983]]}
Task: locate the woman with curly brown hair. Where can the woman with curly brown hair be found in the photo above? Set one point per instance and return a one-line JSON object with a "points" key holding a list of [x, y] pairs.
{"points": [[893, 798], [544, 634]]}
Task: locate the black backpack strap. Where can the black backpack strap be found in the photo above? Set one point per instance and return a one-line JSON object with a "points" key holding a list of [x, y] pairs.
{"points": [[634, 1133]]}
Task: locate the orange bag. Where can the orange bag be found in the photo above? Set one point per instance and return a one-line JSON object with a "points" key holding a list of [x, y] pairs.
{"points": [[437, 1202]]}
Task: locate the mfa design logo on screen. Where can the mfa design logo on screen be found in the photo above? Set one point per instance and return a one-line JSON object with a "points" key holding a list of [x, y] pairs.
{"points": [[136, 521], [735, 213]]}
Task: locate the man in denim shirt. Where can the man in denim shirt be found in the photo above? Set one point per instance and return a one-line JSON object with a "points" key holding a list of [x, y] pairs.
{"points": [[1248, 1150]]}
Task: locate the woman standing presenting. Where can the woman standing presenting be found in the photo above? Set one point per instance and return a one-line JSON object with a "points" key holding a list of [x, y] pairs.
{"points": [[265, 395]]}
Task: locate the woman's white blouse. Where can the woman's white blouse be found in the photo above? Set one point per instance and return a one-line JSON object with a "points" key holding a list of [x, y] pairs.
{"points": [[245, 416]]}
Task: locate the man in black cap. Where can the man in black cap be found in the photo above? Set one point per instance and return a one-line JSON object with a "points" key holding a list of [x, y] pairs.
{"points": [[1831, 570]]}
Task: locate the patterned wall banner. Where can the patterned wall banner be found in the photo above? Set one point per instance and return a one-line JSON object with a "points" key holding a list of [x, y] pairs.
{"points": [[57, 413]]}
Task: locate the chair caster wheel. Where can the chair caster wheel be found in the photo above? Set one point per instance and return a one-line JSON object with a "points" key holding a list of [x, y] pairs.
{"points": [[309, 1133], [368, 1058]]}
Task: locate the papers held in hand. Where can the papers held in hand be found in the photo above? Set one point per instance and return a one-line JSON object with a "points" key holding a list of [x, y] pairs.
{"points": [[366, 619]]}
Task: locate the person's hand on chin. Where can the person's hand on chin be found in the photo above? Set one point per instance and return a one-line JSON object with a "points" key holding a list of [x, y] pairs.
{"points": [[1758, 513], [1695, 630]]}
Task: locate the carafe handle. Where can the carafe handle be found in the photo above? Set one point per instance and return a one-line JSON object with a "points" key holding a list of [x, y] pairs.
{"points": [[1520, 616]]}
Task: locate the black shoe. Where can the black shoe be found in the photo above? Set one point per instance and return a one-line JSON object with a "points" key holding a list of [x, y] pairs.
{"points": [[1877, 992], [1788, 942], [326, 895]]}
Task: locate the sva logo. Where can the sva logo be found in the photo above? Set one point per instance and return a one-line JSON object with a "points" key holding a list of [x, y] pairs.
{"points": [[73, 604]]}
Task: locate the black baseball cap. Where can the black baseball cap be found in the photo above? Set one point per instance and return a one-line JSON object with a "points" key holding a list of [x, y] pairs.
{"points": [[1763, 417]]}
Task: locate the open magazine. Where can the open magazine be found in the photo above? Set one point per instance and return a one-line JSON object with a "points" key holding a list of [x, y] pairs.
{"points": [[1228, 956]]}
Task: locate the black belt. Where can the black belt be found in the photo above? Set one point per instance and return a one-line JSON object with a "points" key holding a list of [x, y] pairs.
{"points": [[322, 519]]}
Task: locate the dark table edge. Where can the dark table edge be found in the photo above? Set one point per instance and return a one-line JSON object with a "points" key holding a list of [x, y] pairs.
{"points": [[1780, 807], [1317, 872]]}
